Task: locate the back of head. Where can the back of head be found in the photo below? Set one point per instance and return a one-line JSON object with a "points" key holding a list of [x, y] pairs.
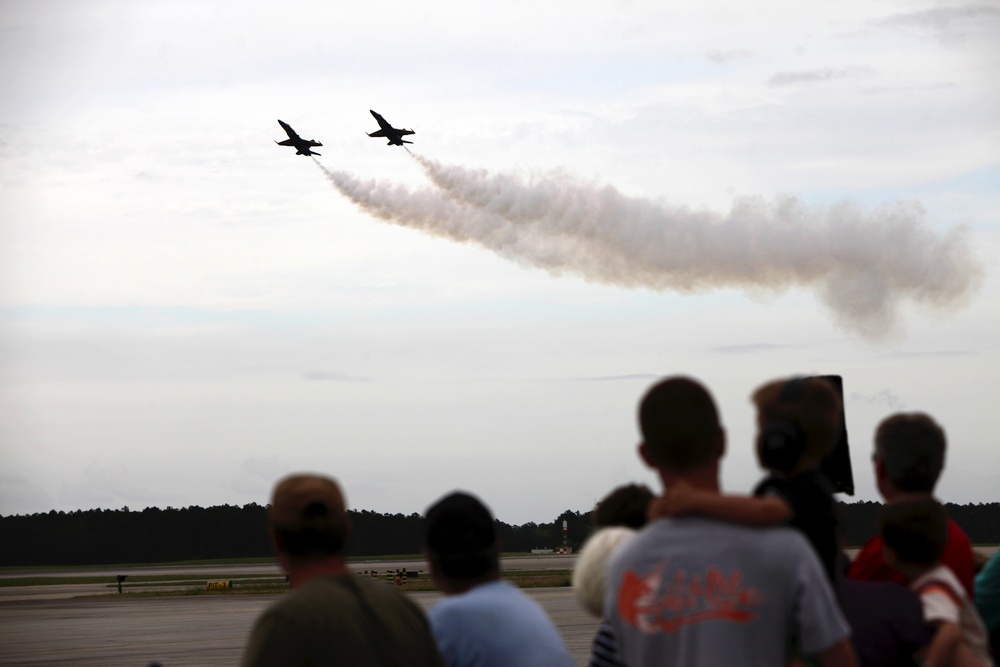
{"points": [[799, 420], [624, 506], [916, 530], [680, 425], [308, 517], [460, 538], [911, 447]]}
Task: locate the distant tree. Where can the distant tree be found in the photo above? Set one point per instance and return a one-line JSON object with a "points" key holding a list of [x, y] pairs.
{"points": [[85, 537]]}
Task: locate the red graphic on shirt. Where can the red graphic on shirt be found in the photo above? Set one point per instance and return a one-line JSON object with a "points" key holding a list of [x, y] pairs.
{"points": [[654, 605]]}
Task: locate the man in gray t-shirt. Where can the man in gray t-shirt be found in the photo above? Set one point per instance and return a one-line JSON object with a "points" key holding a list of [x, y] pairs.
{"points": [[695, 591]]}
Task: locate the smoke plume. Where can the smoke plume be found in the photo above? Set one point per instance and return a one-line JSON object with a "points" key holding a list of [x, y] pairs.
{"points": [[863, 265]]}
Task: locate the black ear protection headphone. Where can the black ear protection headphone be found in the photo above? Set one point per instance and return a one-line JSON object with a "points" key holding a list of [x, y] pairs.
{"points": [[782, 442]]}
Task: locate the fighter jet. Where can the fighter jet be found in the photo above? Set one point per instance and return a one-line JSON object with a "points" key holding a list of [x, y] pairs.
{"points": [[302, 146], [385, 130]]}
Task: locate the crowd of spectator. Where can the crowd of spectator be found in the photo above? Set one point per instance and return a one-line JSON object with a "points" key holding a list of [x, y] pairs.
{"points": [[687, 577]]}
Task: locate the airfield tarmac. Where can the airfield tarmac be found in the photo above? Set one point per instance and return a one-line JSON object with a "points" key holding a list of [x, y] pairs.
{"points": [[88, 625]]}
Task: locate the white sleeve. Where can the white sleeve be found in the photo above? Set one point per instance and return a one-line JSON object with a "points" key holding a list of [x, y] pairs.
{"points": [[939, 606]]}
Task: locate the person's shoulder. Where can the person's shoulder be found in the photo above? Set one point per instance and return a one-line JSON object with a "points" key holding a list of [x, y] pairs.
{"points": [[889, 595], [696, 532], [356, 589], [941, 574], [783, 537], [461, 608]]}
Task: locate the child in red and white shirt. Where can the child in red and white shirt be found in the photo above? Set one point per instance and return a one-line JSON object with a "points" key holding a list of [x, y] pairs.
{"points": [[914, 533]]}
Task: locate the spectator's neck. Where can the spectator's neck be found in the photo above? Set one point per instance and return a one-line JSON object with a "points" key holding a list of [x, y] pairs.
{"points": [[455, 587], [913, 572], [704, 479], [299, 572], [893, 495]]}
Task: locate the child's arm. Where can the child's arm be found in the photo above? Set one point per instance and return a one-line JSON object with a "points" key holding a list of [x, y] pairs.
{"points": [[941, 651], [683, 500]]}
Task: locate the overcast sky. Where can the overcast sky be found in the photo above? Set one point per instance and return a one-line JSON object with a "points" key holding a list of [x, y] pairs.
{"points": [[599, 194]]}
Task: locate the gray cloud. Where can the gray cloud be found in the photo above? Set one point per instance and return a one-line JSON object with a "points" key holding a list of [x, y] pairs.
{"points": [[324, 376], [929, 354], [725, 57], [950, 23], [751, 348], [884, 397], [908, 89], [815, 76], [19, 495], [617, 378]]}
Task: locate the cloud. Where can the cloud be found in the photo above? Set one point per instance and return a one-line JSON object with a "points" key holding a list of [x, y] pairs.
{"points": [[324, 376], [951, 23], [725, 57], [884, 397], [617, 378], [929, 354], [815, 76], [751, 348], [255, 476], [19, 495]]}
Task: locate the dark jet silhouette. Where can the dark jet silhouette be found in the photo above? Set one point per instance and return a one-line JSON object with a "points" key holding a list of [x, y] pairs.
{"points": [[302, 146], [394, 136]]}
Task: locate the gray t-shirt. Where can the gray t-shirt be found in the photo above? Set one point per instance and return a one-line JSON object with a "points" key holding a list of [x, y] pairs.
{"points": [[342, 620], [699, 592]]}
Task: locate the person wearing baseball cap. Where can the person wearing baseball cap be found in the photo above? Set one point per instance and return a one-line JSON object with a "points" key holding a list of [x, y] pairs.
{"points": [[331, 616]]}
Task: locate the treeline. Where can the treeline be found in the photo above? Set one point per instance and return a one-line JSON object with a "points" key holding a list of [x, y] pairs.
{"points": [[94, 537]]}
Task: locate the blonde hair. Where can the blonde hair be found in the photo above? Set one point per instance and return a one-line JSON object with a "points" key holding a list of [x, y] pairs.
{"points": [[588, 574]]}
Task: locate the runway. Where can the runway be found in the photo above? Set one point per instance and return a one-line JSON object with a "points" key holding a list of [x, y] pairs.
{"points": [[49, 625], [91, 624], [189, 630]]}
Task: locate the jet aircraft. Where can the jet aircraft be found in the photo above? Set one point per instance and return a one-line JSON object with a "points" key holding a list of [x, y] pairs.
{"points": [[302, 146], [394, 136]]}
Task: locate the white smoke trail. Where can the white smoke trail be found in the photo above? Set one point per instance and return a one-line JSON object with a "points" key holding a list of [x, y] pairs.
{"points": [[863, 265]]}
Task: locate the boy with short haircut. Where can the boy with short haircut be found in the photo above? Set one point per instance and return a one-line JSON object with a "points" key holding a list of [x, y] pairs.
{"points": [[914, 534]]}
